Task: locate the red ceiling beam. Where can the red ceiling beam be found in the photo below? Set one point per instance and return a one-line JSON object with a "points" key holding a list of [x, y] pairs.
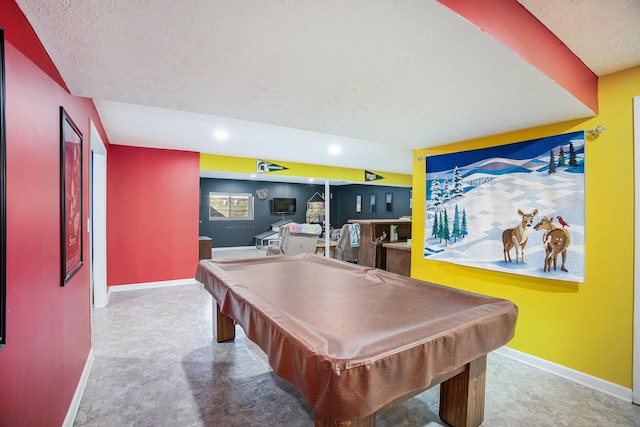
{"points": [[515, 27]]}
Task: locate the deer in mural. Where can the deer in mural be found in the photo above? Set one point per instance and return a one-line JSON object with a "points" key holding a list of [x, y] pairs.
{"points": [[516, 238], [555, 241]]}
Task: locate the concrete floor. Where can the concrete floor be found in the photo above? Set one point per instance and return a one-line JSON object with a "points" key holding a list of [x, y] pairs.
{"points": [[157, 364]]}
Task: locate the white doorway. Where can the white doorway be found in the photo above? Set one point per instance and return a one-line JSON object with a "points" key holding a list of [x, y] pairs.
{"points": [[98, 220], [635, 391]]}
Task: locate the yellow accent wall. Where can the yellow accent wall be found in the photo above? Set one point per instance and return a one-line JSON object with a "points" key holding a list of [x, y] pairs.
{"points": [[213, 162], [583, 326]]}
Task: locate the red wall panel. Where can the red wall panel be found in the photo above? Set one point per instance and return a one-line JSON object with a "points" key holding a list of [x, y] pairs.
{"points": [[514, 26], [48, 326], [152, 211]]}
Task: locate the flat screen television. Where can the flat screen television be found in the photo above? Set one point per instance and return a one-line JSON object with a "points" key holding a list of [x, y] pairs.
{"points": [[283, 205]]}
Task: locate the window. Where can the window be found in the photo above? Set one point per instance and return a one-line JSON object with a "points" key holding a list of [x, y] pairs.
{"points": [[234, 206]]}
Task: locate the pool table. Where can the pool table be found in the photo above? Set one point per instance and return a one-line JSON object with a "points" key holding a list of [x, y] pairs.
{"points": [[357, 340]]}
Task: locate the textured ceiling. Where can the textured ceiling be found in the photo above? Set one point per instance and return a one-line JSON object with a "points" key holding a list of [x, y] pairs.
{"points": [[288, 79], [604, 34]]}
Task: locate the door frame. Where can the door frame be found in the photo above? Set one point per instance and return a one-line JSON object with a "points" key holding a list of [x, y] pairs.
{"points": [[635, 390], [98, 220]]}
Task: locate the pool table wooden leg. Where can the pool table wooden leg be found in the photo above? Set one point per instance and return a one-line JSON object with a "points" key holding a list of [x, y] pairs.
{"points": [[462, 397], [224, 328], [368, 421]]}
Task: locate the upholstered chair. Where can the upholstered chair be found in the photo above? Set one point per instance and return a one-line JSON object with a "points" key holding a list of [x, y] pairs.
{"points": [[294, 242], [348, 246]]}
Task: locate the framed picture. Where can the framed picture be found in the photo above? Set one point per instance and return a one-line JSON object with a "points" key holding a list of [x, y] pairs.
{"points": [[358, 202], [372, 202], [3, 202], [71, 192]]}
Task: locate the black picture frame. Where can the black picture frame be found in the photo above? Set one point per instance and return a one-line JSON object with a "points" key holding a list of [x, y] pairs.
{"points": [[71, 196], [3, 200]]}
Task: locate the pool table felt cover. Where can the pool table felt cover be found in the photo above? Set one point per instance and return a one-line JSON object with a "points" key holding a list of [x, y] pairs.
{"points": [[352, 339]]}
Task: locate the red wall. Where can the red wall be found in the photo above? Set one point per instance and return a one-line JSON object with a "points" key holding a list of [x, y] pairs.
{"points": [[48, 326], [152, 230], [152, 211]]}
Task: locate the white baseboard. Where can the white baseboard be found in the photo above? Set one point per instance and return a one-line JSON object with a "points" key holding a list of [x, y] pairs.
{"points": [[233, 248], [77, 396], [151, 285], [586, 380]]}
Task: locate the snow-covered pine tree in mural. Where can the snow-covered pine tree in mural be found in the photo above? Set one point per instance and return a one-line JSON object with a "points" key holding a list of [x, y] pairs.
{"points": [[455, 232], [552, 162], [457, 183], [561, 160], [436, 195]]}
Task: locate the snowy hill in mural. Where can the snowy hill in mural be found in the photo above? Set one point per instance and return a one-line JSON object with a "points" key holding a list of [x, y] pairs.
{"points": [[473, 197]]}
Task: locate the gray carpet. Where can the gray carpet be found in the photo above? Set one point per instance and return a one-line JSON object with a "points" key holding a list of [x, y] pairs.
{"points": [[156, 364]]}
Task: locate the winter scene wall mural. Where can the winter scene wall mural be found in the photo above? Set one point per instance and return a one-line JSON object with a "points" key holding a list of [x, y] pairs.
{"points": [[516, 208]]}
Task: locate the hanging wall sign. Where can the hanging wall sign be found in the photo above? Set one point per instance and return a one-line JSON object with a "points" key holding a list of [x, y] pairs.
{"points": [[266, 167], [516, 208], [370, 176]]}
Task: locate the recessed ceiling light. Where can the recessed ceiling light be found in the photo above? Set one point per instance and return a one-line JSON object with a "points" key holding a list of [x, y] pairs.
{"points": [[334, 149], [221, 134]]}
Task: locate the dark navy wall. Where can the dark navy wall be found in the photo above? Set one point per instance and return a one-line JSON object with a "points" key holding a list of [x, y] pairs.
{"points": [[231, 233], [346, 195]]}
